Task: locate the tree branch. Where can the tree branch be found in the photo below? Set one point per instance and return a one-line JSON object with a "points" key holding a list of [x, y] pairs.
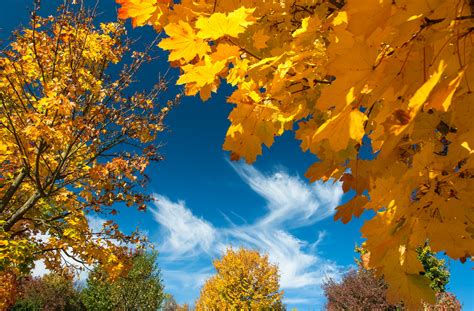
{"points": [[21, 211], [12, 189]]}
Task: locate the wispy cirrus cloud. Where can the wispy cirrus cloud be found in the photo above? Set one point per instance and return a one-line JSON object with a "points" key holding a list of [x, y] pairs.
{"points": [[291, 203], [185, 233]]}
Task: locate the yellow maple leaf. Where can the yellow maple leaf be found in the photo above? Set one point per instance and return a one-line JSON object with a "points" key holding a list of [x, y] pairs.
{"points": [[183, 42], [321, 170], [202, 77], [419, 98], [201, 74], [354, 207], [349, 124], [219, 24], [409, 287], [308, 32], [442, 96], [139, 10]]}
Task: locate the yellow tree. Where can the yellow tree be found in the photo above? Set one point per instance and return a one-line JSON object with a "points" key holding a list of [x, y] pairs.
{"points": [[396, 72], [63, 121], [245, 280]]}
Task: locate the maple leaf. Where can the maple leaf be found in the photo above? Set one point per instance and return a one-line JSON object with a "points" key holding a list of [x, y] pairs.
{"points": [[140, 11], [352, 208], [309, 31], [260, 39], [183, 42], [323, 170], [352, 121], [251, 127], [201, 77], [219, 25], [442, 96]]}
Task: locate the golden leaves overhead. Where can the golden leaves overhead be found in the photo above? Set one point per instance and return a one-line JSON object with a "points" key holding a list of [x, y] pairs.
{"points": [[143, 12], [393, 78], [183, 43], [139, 10], [219, 25]]}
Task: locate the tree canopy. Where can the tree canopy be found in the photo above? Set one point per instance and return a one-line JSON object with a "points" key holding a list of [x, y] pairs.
{"points": [[51, 292], [245, 280], [140, 288], [63, 119]]}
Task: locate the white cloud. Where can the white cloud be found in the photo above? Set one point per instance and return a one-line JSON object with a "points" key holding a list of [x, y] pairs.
{"points": [[185, 233], [40, 269], [95, 222], [298, 262], [290, 203]]}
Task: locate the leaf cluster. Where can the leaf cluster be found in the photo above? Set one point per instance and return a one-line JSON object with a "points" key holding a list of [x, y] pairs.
{"points": [[379, 91]]}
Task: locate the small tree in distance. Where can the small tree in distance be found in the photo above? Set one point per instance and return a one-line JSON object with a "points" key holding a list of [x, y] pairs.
{"points": [[245, 280], [170, 304]]}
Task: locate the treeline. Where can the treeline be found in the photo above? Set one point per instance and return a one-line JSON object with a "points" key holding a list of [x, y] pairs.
{"points": [[140, 288], [244, 280]]}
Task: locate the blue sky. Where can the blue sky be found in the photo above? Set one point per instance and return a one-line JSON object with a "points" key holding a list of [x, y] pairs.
{"points": [[206, 203]]}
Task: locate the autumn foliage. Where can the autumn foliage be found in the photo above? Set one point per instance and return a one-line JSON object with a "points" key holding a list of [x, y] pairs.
{"points": [[397, 73], [50, 292], [9, 289], [62, 122], [245, 280]]}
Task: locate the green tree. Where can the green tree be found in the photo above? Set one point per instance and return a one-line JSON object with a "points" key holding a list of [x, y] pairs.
{"points": [[97, 294], [141, 288], [435, 269]]}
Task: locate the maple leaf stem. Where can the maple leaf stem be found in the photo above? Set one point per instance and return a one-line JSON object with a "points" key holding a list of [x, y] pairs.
{"points": [[465, 17]]}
